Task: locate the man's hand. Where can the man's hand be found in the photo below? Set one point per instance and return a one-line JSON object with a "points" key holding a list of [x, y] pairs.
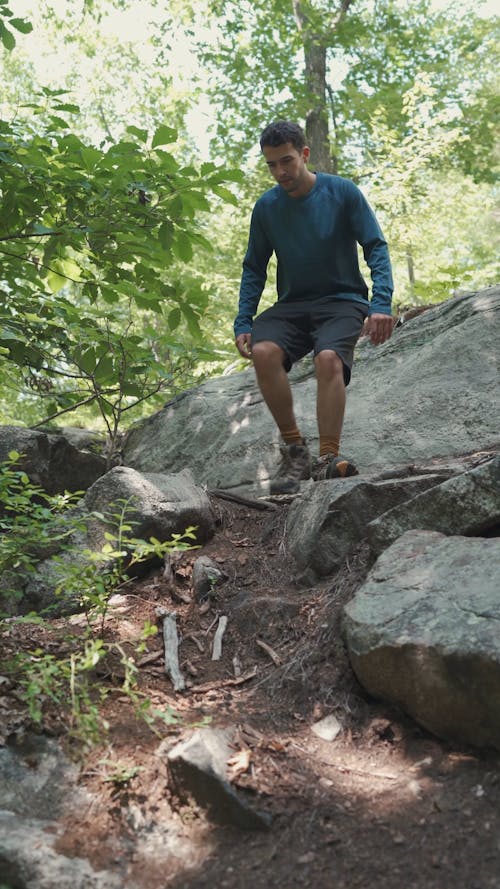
{"points": [[379, 328], [244, 345]]}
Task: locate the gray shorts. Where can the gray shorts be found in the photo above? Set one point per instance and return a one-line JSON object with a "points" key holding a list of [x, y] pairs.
{"points": [[302, 326]]}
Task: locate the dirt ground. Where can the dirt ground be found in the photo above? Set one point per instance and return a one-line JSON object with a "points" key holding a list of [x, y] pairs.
{"points": [[383, 805]]}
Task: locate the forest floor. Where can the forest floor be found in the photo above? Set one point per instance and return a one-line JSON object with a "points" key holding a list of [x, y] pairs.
{"points": [[384, 805]]}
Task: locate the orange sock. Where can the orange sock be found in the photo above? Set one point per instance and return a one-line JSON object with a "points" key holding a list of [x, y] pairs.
{"points": [[291, 436], [328, 445]]}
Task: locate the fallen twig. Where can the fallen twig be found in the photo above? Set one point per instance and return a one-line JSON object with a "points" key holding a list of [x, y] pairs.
{"points": [[245, 501], [193, 638], [225, 683], [217, 647], [149, 658], [171, 643], [272, 654]]}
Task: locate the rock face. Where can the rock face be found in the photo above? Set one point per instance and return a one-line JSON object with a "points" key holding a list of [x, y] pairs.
{"points": [[430, 392], [422, 632], [37, 783], [199, 768], [51, 461]]}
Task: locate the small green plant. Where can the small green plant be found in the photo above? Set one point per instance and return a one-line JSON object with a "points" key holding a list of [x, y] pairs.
{"points": [[70, 683], [120, 774], [32, 524], [95, 575], [67, 683]]}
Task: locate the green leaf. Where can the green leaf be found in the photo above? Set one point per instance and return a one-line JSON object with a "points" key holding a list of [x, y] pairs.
{"points": [[142, 135], [166, 234], [109, 295], [182, 246], [58, 122], [85, 360], [67, 106], [192, 320], [174, 318], [104, 369], [225, 194], [164, 136], [132, 390], [7, 37], [21, 25]]}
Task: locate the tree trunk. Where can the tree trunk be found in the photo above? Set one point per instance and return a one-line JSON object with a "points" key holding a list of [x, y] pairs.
{"points": [[317, 135], [316, 88]]}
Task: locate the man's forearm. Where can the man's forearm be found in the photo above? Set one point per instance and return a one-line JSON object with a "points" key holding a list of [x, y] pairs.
{"points": [[381, 272]]}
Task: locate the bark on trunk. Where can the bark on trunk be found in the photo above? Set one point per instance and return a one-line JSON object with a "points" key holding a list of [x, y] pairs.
{"points": [[315, 58]]}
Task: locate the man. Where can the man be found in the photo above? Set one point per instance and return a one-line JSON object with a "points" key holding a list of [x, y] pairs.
{"points": [[313, 222]]}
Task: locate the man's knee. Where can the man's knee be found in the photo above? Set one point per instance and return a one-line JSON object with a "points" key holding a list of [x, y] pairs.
{"points": [[328, 364], [265, 353]]}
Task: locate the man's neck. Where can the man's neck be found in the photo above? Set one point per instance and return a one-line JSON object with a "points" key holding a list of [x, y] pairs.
{"points": [[305, 187]]}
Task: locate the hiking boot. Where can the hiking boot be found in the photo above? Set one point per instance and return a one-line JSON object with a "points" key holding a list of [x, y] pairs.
{"points": [[295, 466], [331, 466]]}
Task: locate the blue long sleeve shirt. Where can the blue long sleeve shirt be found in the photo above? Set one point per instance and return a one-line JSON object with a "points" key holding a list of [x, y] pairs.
{"points": [[315, 240]]}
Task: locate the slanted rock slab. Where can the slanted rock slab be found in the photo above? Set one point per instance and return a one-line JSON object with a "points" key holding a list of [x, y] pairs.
{"points": [[423, 632], [199, 769], [468, 504], [431, 391]]}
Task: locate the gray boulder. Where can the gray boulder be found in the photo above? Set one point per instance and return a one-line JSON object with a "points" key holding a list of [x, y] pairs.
{"points": [[428, 393], [468, 504], [422, 632], [28, 859], [158, 504], [38, 784], [199, 768], [332, 516]]}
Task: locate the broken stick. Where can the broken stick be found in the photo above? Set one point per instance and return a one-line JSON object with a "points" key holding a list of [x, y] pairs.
{"points": [[171, 643], [270, 651], [221, 629]]}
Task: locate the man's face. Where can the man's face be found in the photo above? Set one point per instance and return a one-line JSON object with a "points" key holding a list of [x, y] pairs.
{"points": [[288, 166]]}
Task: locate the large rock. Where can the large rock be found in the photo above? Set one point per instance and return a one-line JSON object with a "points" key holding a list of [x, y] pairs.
{"points": [[468, 504], [422, 632], [51, 461], [430, 392], [158, 505], [332, 516], [199, 767]]}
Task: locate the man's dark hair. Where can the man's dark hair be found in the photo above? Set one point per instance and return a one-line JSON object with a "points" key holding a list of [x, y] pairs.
{"points": [[282, 131]]}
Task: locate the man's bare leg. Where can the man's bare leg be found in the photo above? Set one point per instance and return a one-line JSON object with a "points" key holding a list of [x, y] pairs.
{"points": [[330, 413], [330, 404], [274, 384]]}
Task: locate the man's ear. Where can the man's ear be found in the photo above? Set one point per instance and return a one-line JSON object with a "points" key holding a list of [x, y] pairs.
{"points": [[306, 152]]}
